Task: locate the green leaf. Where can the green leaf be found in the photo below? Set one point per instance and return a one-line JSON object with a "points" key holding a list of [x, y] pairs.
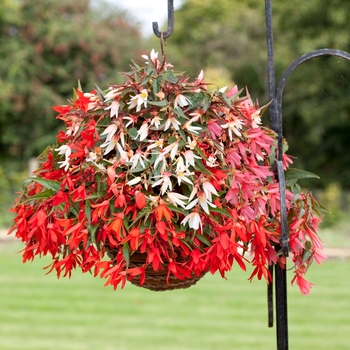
{"points": [[42, 195], [307, 253], [180, 113], [148, 77], [195, 98], [221, 211], [202, 168], [100, 92], [136, 65], [126, 253], [264, 108], [162, 103], [92, 232], [93, 196], [157, 83], [88, 211], [293, 173], [177, 209], [53, 185], [204, 240], [133, 133], [182, 134], [146, 210], [207, 102], [171, 77], [43, 155]]}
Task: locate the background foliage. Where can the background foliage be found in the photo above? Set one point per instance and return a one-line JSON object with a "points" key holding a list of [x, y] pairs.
{"points": [[45, 48]]}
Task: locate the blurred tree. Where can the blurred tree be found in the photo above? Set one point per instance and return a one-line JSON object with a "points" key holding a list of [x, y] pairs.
{"points": [[230, 34], [316, 115], [220, 35], [45, 48]]}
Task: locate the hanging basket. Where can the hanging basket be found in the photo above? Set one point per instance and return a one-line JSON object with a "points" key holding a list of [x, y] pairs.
{"points": [[167, 167], [160, 280]]}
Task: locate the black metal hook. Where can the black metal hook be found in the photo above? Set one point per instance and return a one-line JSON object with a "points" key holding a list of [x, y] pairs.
{"points": [[170, 22]]}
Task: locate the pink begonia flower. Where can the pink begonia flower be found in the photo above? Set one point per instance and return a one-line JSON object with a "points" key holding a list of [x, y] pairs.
{"points": [[234, 158], [214, 129], [232, 92]]}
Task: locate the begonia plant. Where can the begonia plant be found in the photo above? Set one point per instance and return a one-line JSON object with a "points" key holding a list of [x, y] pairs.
{"points": [[170, 168]]}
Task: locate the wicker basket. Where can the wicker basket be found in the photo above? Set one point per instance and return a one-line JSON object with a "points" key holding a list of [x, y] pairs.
{"points": [[157, 280]]}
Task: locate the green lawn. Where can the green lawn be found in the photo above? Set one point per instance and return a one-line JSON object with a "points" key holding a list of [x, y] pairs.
{"points": [[41, 312]]}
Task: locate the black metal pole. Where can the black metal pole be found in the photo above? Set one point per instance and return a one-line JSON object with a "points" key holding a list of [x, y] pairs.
{"points": [[279, 279], [281, 307]]}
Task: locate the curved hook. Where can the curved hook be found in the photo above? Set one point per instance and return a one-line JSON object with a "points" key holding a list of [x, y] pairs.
{"points": [[170, 22]]}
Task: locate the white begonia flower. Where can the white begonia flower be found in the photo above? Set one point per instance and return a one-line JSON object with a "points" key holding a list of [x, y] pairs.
{"points": [[111, 94], [233, 126], [138, 157], [110, 145], [191, 144], [134, 181], [256, 119], [165, 180], [67, 151], [138, 100], [172, 148], [182, 176], [203, 202], [188, 125], [123, 155], [200, 75], [209, 189], [211, 162], [181, 100], [193, 193], [176, 199], [143, 131], [153, 56], [110, 131], [180, 164], [64, 149], [156, 121], [156, 143], [114, 107], [194, 221], [154, 200], [171, 121], [161, 158], [131, 120], [190, 157]]}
